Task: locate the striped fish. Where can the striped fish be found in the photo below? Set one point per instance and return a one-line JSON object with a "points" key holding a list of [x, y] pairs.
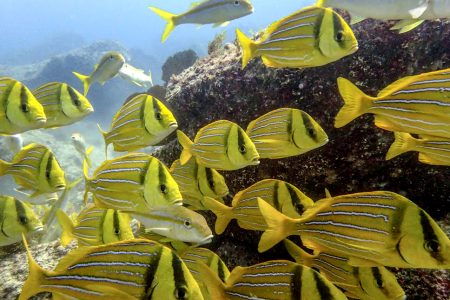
{"points": [[432, 150], [133, 269], [16, 218], [417, 104], [244, 208], [285, 132], [313, 36], [196, 181], [63, 105], [35, 168], [141, 121], [19, 109], [367, 283], [135, 182], [274, 280], [371, 229], [221, 145]]}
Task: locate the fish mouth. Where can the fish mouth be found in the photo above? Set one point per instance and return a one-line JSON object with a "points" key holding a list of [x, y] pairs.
{"points": [[354, 48], [90, 110], [206, 240], [61, 187], [41, 120], [173, 125], [255, 161], [38, 229]]}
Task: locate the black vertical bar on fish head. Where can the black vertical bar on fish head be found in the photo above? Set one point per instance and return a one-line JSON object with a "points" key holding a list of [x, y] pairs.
{"points": [[296, 282], [430, 237], [74, 97], [156, 108], [21, 213], [178, 276], [337, 27], [377, 276], [295, 200], [48, 167], [210, 179], [221, 270], [310, 131], [144, 170], [6, 98], [241, 141], [150, 274], [102, 224], [322, 288], [24, 100], [276, 200], [317, 27], [116, 224]]}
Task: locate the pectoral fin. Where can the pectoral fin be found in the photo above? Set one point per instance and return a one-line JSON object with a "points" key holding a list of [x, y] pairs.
{"points": [[406, 25]]}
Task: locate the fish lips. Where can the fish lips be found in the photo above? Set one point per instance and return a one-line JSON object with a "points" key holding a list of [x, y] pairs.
{"points": [[173, 125], [206, 240], [255, 161], [41, 120]]}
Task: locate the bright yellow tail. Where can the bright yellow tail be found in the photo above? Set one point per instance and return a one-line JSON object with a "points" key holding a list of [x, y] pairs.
{"points": [[169, 17], [215, 287], [224, 213], [86, 80], [404, 142], [105, 137], [248, 47], [186, 143], [67, 227], [356, 103], [298, 253]]}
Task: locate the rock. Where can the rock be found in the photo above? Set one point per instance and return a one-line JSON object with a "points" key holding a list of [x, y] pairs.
{"points": [[178, 62]]}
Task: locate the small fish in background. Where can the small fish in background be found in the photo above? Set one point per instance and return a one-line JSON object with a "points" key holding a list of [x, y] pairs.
{"points": [[285, 132], [19, 109], [221, 145], [80, 145], [417, 104], [142, 121], [176, 223], [370, 229], [135, 182], [432, 150], [366, 283], [136, 76], [129, 270], [16, 217], [107, 68], [95, 226], [217, 12], [63, 105], [282, 195], [273, 279], [13, 142], [311, 37], [35, 169], [196, 181], [411, 13]]}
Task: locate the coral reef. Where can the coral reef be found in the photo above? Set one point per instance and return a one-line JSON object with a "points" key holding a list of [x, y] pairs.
{"points": [[178, 62], [217, 42]]}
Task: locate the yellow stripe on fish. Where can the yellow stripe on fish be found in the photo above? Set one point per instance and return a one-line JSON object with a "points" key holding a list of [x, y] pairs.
{"points": [[373, 228], [135, 182], [285, 132], [19, 109]]}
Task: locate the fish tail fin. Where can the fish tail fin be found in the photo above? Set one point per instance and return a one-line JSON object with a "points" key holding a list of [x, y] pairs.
{"points": [[404, 142], [212, 282], [224, 213], [320, 3], [298, 253], [186, 143], [356, 102], [248, 47], [86, 181], [87, 156], [86, 80], [4, 166], [167, 16], [67, 227], [279, 226], [105, 137]]}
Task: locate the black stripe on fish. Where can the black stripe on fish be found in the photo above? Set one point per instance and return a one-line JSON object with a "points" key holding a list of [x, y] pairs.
{"points": [[48, 167], [276, 201], [21, 214], [144, 171], [310, 131], [178, 277], [74, 97], [338, 30], [161, 175], [377, 276], [241, 142], [157, 110], [6, 99], [290, 131], [431, 241], [150, 274], [295, 200], [221, 270], [116, 224], [322, 288], [317, 28], [102, 222], [24, 100], [210, 179], [296, 283]]}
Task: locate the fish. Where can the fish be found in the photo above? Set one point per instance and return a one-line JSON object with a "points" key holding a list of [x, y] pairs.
{"points": [[285, 132], [411, 13], [35, 168], [135, 182], [95, 226], [177, 223], [177, 245], [63, 105], [16, 217], [221, 145], [19, 109], [142, 121], [282, 195], [311, 37], [196, 181], [432, 150], [417, 104], [108, 67], [366, 283], [370, 228], [13, 142], [274, 279], [136, 76], [80, 145], [217, 12], [132, 269]]}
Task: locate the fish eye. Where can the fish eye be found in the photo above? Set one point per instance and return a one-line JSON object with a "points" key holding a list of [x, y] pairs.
{"points": [[23, 219], [187, 223], [379, 282], [180, 293], [340, 36], [163, 188], [24, 107], [77, 103], [111, 57], [432, 246], [299, 208], [116, 231], [242, 149], [236, 3], [158, 116]]}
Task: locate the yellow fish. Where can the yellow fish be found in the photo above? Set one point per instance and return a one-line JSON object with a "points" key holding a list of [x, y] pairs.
{"points": [[142, 121], [196, 181], [108, 67], [221, 145], [132, 269], [417, 104], [19, 109], [135, 182], [285, 132], [366, 283], [311, 37], [16, 217], [244, 208], [432, 150], [95, 226], [35, 168], [371, 229]]}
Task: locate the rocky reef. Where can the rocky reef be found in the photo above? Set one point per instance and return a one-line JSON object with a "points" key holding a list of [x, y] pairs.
{"points": [[177, 63]]}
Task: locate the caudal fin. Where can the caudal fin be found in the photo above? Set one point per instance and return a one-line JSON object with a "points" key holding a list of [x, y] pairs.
{"points": [[356, 103], [105, 138], [248, 47], [4, 166], [86, 80], [167, 16], [67, 227], [212, 282], [186, 143], [224, 213], [404, 142]]}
